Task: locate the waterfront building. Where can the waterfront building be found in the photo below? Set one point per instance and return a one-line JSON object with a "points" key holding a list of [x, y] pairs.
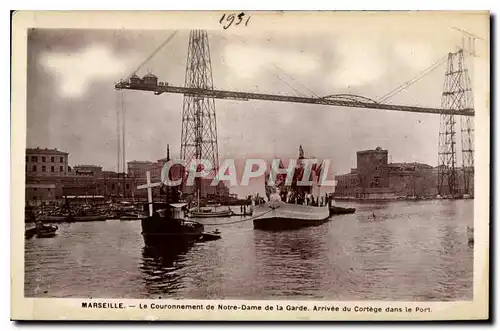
{"points": [[87, 170], [46, 162], [375, 178]]}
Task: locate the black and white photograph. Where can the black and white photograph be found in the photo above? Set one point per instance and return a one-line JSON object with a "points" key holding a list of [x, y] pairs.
{"points": [[326, 163]]}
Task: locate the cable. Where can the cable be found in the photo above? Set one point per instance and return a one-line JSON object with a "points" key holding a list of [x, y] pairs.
{"points": [[412, 81], [153, 54], [284, 72], [308, 90]]}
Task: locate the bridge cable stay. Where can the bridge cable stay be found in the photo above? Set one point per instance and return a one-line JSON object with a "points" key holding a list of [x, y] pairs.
{"points": [[295, 80], [412, 81], [277, 76], [163, 44]]}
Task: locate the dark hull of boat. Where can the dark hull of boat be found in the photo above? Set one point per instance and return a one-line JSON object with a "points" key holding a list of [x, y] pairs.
{"points": [[165, 240], [164, 232], [340, 210], [62, 219], [46, 234], [207, 236], [29, 233]]}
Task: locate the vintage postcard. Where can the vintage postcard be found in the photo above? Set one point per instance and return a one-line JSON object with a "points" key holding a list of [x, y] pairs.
{"points": [[250, 165]]}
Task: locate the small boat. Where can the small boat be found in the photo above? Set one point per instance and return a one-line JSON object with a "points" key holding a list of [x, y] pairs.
{"points": [[340, 210], [41, 231], [208, 213], [209, 236], [68, 218], [198, 212], [30, 233]]}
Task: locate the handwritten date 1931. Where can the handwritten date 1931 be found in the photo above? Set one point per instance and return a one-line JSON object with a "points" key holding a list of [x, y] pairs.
{"points": [[228, 20]]}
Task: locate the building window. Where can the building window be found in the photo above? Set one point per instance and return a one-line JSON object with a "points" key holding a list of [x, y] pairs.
{"points": [[52, 169], [43, 158], [34, 159], [127, 186], [34, 168], [113, 187], [27, 158], [43, 168], [61, 159], [51, 159], [61, 168]]}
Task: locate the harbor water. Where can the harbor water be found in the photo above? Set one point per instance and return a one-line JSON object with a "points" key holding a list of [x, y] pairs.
{"points": [[410, 250]]}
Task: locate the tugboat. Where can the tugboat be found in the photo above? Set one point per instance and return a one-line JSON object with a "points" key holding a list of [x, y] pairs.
{"points": [[166, 225]]}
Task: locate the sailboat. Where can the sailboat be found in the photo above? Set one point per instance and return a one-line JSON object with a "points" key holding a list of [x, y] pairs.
{"points": [[209, 211]]}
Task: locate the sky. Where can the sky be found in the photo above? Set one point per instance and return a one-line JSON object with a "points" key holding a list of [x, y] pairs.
{"points": [[72, 104]]}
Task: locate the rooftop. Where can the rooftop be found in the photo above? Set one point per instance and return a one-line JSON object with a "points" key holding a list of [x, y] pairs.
{"points": [[139, 162], [87, 166], [409, 164], [39, 150], [378, 149], [150, 75]]}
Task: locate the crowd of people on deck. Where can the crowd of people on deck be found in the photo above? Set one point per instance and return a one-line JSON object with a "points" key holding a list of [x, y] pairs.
{"points": [[306, 199]]}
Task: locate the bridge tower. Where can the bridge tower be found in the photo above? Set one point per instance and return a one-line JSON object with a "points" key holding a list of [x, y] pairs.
{"points": [[457, 94], [199, 129]]}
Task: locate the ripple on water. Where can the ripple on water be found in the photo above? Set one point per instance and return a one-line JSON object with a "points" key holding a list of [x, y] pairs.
{"points": [[411, 251]]}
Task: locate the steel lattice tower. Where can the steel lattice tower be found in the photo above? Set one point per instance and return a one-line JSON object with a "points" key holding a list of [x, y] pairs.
{"points": [[457, 94], [467, 128], [199, 129]]}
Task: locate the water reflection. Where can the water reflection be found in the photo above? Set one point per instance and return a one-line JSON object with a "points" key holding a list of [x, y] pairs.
{"points": [[161, 268], [414, 251], [296, 256]]}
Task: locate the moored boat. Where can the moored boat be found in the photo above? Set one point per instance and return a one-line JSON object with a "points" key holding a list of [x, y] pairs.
{"points": [[41, 231], [206, 213], [71, 218], [210, 236], [334, 210], [46, 231], [167, 226]]}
